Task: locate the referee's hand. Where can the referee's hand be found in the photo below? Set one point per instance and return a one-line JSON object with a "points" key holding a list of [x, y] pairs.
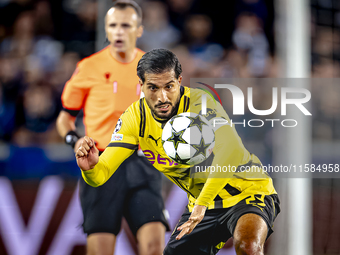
{"points": [[87, 154], [195, 218]]}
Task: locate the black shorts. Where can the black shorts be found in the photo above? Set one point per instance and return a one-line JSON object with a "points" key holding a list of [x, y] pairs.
{"points": [[133, 191], [217, 226]]}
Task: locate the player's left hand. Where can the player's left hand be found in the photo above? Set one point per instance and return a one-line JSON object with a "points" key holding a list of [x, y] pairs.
{"points": [[195, 218]]}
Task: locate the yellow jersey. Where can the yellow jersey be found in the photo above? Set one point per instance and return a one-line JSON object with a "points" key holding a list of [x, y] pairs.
{"points": [[137, 125]]}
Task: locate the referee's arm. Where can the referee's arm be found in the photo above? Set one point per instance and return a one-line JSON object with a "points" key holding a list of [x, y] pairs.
{"points": [[66, 127]]}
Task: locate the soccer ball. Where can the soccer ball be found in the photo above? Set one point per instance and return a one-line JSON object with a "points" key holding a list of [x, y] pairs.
{"points": [[188, 138]]}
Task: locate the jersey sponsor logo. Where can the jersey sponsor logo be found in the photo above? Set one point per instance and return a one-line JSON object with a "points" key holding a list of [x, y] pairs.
{"points": [[155, 157], [117, 137], [118, 126], [155, 140]]}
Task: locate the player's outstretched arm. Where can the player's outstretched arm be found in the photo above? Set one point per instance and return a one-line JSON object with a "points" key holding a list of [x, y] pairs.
{"points": [[87, 154]]}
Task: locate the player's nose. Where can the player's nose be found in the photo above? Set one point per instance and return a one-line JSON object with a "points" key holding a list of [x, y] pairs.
{"points": [[162, 96], [119, 30]]}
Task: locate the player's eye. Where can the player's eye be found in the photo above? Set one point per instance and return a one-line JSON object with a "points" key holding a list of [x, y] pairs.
{"points": [[126, 25], [169, 86], [112, 25], [152, 88]]}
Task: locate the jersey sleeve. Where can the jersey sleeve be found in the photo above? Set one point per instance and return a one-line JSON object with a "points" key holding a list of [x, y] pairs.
{"points": [[75, 90], [228, 149], [124, 142]]}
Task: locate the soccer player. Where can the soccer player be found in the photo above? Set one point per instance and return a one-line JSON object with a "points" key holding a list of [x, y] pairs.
{"points": [[241, 205], [104, 85]]}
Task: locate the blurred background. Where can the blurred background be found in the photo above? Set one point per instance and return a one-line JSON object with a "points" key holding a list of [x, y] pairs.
{"points": [[41, 42]]}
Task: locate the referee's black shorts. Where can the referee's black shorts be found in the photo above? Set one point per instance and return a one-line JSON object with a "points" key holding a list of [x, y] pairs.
{"points": [[133, 191], [217, 226]]}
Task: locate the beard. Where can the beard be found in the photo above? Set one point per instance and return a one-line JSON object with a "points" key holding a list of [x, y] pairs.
{"points": [[168, 116]]}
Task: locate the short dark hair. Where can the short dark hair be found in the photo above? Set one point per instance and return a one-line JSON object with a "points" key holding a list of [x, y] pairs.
{"points": [[158, 61], [122, 4]]}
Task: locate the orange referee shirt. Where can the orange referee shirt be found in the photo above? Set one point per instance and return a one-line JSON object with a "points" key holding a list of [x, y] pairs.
{"points": [[104, 88]]}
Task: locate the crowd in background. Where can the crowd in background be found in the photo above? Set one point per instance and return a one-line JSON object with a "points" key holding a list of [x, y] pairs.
{"points": [[41, 42]]}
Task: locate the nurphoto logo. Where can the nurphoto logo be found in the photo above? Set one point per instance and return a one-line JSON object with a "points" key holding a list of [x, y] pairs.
{"points": [[239, 105]]}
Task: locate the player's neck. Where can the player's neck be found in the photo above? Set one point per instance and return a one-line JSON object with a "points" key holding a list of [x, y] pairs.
{"points": [[124, 57]]}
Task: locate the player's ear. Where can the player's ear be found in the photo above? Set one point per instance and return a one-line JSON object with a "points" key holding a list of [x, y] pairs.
{"points": [[180, 79], [106, 35], [140, 31]]}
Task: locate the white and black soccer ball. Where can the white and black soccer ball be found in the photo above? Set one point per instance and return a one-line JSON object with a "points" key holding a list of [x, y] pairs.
{"points": [[188, 138]]}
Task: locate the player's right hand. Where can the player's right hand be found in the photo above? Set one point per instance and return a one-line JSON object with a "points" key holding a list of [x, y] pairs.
{"points": [[87, 154]]}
